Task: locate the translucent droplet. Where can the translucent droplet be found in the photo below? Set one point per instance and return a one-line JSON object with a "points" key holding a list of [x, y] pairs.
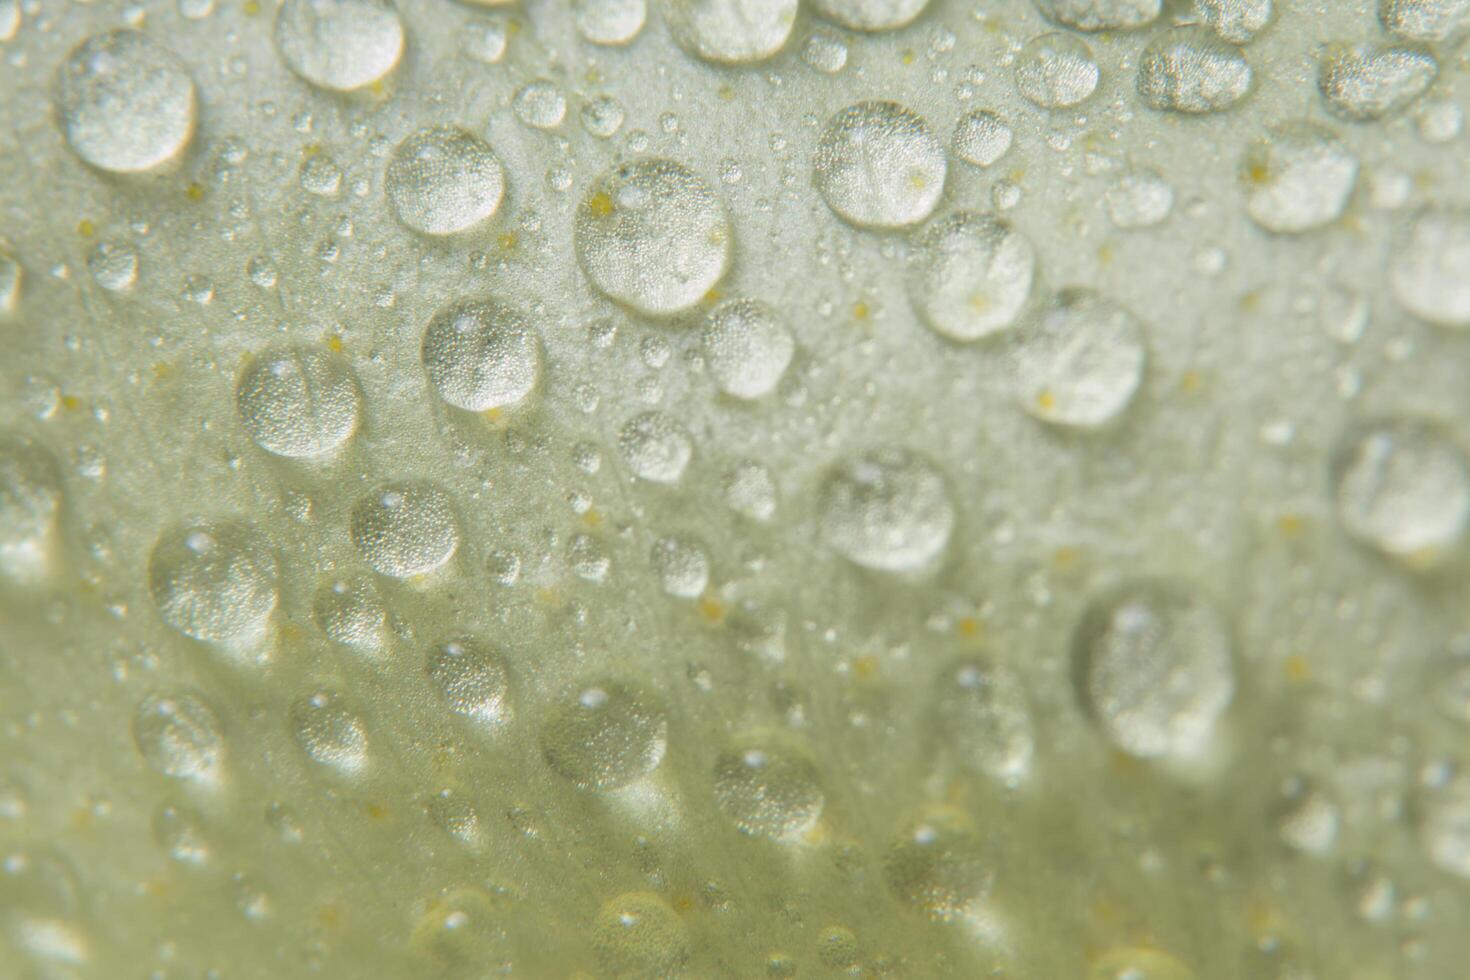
{"points": [[655, 447], [1429, 266], [330, 733], [481, 354], [681, 566], [768, 790], [177, 830], [11, 276], [339, 45], [1425, 20], [937, 864], [114, 267], [30, 505], [405, 529], [456, 816], [214, 580], [443, 180], [179, 735], [610, 21], [1364, 82], [125, 103], [970, 275], [638, 935], [464, 931], [1308, 821], [351, 613], [731, 32], [983, 720], [1080, 360], [981, 138], [540, 104], [603, 117], [1444, 826], [1140, 199], [1236, 21], [320, 175], [472, 678], [1137, 963], [750, 491], [871, 15], [888, 509], [298, 402], [587, 558], [747, 347], [1101, 15], [878, 165], [1153, 668], [1403, 487], [826, 53], [1297, 178], [653, 236], [606, 736], [1056, 71], [1190, 70]]}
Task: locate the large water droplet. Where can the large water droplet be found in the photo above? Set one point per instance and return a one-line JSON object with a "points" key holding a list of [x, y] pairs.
{"points": [[768, 790], [1080, 360], [1056, 71], [871, 15], [605, 736], [1364, 82], [638, 935], [731, 32], [481, 354], [350, 612], [1429, 266], [983, 719], [298, 402], [1425, 20], [937, 864], [888, 509], [472, 678], [340, 45], [1444, 826], [405, 529], [1297, 178], [1100, 15], [981, 137], [443, 180], [1403, 487], [1190, 70], [214, 580], [747, 347], [878, 165], [970, 275], [330, 733], [30, 505], [179, 735], [610, 21], [1236, 21]]}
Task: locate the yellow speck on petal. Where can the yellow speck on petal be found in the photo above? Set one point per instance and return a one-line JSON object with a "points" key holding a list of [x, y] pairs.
{"points": [[1105, 254], [194, 192], [1298, 669], [311, 149], [907, 57], [513, 28], [818, 834], [86, 229], [979, 302], [508, 240], [969, 627], [71, 402], [600, 204], [712, 609], [1045, 400], [1290, 525], [330, 916], [1190, 381], [726, 93], [334, 343], [712, 297], [548, 596], [377, 87], [162, 370], [860, 310], [376, 811], [593, 517], [492, 414], [1064, 557], [1257, 173], [918, 181], [251, 8], [865, 668], [81, 818], [1251, 301]]}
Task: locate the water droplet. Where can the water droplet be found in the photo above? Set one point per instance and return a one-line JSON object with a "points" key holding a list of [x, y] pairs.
{"points": [[1425, 20], [1444, 826], [610, 21], [1297, 178], [298, 402], [888, 509], [826, 53], [970, 275], [30, 505], [747, 347], [1189, 70], [179, 735], [655, 447], [456, 816], [320, 175], [540, 104], [871, 15], [1403, 487], [878, 165], [214, 580], [443, 180], [1429, 266], [1140, 199], [1056, 71], [177, 830], [473, 680], [1236, 21], [983, 719], [768, 790], [937, 864], [481, 354], [750, 491], [125, 103], [1080, 360], [114, 267], [1364, 82], [587, 558], [464, 932], [731, 32], [606, 736], [652, 235], [638, 935], [405, 529], [1124, 963], [340, 45], [350, 612], [981, 138], [1153, 668], [603, 117], [1100, 15], [11, 276], [681, 566], [329, 732], [1307, 821]]}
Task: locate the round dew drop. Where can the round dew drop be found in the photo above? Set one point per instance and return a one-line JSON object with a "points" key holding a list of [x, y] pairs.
{"points": [[1429, 266], [481, 354], [655, 447], [970, 275], [981, 138], [350, 612], [606, 736], [871, 15], [878, 165], [636, 934], [1139, 200], [125, 103], [730, 32], [403, 530], [1079, 361], [1056, 71], [888, 509], [1153, 668], [1425, 21], [767, 790], [298, 402], [214, 581], [179, 735], [609, 22], [540, 104], [1189, 70], [1444, 826], [652, 235], [330, 733], [1298, 178], [443, 180], [114, 267], [937, 864], [1403, 487], [339, 45], [1236, 21], [681, 565], [472, 678], [1361, 83], [983, 720], [747, 347], [30, 503], [1101, 15]]}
